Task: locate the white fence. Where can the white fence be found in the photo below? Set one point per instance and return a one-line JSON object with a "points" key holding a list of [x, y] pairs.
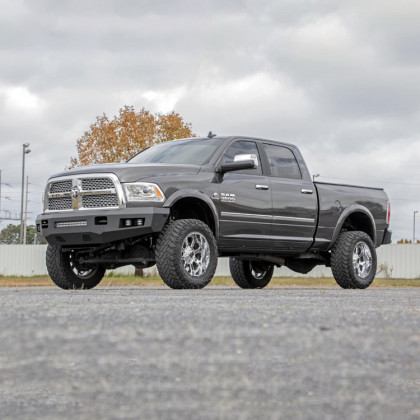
{"points": [[29, 260], [395, 261]]}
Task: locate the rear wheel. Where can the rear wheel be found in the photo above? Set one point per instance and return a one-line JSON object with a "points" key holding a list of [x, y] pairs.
{"points": [[353, 260], [186, 254], [66, 271], [251, 274]]}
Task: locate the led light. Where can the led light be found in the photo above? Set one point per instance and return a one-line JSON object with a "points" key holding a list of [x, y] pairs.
{"points": [[127, 223], [71, 224], [139, 222], [143, 191]]}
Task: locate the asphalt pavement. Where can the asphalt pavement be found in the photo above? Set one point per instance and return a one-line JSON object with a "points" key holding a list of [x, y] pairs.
{"points": [[217, 353]]}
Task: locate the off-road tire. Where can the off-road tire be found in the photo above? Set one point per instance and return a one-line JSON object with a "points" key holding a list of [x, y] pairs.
{"points": [[169, 254], [61, 273], [342, 260], [241, 271]]}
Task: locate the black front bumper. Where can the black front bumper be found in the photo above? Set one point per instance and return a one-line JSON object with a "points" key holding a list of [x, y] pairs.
{"points": [[86, 227]]}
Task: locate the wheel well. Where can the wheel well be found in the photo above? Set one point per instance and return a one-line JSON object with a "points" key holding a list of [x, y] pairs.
{"points": [[359, 221], [194, 208]]}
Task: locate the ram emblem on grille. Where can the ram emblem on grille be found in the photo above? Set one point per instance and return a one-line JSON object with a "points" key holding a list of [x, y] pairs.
{"points": [[75, 192]]}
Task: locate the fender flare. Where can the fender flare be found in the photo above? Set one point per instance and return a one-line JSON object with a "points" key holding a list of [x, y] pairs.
{"points": [[179, 195], [355, 208]]}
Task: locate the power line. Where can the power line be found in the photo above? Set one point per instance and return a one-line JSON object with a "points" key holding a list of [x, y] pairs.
{"points": [[17, 201], [10, 193]]}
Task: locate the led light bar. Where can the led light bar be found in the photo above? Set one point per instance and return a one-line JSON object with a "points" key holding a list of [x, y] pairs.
{"points": [[71, 224]]}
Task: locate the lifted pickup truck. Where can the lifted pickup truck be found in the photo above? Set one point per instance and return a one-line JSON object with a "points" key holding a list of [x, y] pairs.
{"points": [[183, 203]]}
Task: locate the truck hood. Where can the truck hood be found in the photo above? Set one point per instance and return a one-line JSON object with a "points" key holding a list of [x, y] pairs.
{"points": [[130, 172]]}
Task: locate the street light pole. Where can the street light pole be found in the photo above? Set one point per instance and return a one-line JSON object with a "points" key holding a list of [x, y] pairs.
{"points": [[25, 151], [25, 220], [414, 226]]}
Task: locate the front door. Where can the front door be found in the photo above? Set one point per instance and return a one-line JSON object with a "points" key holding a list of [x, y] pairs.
{"points": [[244, 202]]}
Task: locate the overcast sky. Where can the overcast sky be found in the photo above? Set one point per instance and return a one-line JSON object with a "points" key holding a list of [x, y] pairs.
{"points": [[341, 79]]}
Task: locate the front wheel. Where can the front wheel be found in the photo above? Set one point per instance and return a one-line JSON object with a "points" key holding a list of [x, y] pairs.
{"points": [[250, 274], [186, 254], [66, 271], [353, 260]]}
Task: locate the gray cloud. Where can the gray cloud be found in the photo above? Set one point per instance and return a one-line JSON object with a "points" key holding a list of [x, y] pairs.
{"points": [[340, 79]]}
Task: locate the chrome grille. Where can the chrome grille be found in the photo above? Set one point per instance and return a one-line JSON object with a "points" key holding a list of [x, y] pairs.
{"points": [[82, 192], [60, 203], [95, 201], [94, 184], [60, 187]]}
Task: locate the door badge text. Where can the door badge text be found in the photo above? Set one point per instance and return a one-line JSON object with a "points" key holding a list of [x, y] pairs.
{"points": [[227, 198]]}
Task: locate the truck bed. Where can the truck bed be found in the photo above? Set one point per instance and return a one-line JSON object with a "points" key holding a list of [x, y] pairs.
{"points": [[338, 200]]}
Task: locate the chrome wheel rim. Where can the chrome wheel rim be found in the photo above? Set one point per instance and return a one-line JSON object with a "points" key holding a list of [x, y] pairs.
{"points": [[195, 254], [257, 272], [362, 260], [81, 272]]}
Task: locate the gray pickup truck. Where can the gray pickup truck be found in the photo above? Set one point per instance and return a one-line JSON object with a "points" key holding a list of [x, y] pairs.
{"points": [[184, 203]]}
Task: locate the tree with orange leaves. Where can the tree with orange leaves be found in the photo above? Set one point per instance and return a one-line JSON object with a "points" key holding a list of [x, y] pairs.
{"points": [[128, 133]]}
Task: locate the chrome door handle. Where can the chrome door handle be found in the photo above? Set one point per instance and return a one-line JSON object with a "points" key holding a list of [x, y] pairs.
{"points": [[261, 187], [306, 191]]}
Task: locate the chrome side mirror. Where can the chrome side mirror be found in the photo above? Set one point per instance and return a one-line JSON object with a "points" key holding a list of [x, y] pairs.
{"points": [[240, 158]]}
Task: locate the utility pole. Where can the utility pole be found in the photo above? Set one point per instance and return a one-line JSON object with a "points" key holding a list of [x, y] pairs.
{"points": [[25, 151], [0, 197], [414, 226], [26, 211]]}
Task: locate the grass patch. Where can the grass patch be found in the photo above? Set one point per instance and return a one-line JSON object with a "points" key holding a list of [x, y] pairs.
{"points": [[6, 281], [116, 280]]}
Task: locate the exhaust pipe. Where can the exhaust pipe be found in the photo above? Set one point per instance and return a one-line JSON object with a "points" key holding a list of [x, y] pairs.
{"points": [[272, 259]]}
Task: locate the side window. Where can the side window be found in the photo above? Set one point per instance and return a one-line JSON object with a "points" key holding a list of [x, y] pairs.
{"points": [[282, 162], [243, 147]]}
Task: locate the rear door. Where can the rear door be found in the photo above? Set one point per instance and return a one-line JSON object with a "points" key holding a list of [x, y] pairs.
{"points": [[294, 200], [244, 202]]}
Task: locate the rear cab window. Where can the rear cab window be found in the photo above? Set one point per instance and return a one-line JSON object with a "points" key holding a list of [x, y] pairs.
{"points": [[282, 162]]}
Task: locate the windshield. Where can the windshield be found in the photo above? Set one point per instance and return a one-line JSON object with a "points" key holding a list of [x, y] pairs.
{"points": [[187, 152]]}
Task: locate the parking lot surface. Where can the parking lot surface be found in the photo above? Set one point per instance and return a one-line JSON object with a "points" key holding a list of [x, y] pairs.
{"points": [[131, 353]]}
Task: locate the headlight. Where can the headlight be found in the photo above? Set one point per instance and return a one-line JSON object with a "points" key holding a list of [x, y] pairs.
{"points": [[143, 191]]}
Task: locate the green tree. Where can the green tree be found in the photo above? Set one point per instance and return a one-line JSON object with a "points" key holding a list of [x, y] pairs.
{"points": [[10, 235]]}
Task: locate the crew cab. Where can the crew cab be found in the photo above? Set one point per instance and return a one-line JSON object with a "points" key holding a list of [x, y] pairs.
{"points": [[184, 203]]}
